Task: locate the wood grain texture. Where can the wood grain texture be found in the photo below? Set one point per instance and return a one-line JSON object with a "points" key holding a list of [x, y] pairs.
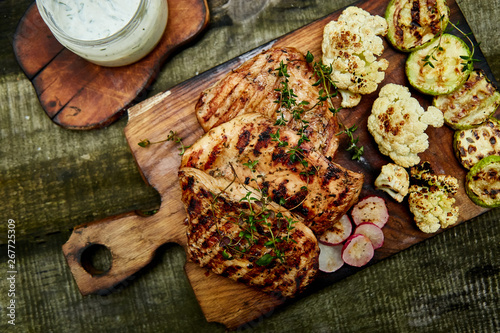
{"points": [[159, 163], [77, 94]]}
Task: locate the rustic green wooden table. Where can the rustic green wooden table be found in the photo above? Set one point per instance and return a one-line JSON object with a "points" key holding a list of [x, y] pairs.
{"points": [[53, 179]]}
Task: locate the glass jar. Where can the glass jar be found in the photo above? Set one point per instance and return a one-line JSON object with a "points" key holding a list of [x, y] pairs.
{"points": [[106, 32]]}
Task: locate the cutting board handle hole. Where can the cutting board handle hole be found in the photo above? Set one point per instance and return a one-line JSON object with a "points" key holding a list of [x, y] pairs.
{"points": [[96, 259]]}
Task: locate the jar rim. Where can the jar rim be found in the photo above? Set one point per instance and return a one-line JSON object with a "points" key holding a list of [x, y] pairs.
{"points": [[126, 28]]}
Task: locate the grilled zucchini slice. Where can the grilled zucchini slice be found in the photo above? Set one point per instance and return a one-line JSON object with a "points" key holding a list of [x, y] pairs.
{"points": [[412, 24], [473, 144], [440, 67], [470, 105], [482, 183]]}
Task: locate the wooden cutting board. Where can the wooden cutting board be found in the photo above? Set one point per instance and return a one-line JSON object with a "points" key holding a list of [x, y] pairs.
{"points": [[132, 239], [77, 94]]}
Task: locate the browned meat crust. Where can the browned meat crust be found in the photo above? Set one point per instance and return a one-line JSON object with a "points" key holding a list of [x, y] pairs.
{"points": [[321, 191], [215, 240], [254, 87]]}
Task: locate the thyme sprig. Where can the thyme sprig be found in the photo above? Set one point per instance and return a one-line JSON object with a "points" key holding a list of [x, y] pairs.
{"points": [[328, 88], [468, 60], [172, 136], [256, 225], [287, 101], [327, 92], [357, 151]]}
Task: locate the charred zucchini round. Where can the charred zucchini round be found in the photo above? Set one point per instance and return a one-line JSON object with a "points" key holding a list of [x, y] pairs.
{"points": [[470, 105], [473, 144], [483, 182], [412, 24], [441, 67]]}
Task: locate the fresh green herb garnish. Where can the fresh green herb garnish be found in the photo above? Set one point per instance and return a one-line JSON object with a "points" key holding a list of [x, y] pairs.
{"points": [[467, 60], [357, 152], [288, 102], [255, 225], [326, 93], [172, 136]]}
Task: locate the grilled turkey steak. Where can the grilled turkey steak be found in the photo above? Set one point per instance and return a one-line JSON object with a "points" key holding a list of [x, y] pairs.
{"points": [[255, 87], [216, 232], [321, 192]]}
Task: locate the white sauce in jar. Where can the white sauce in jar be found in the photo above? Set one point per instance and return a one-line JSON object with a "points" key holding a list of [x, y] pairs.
{"points": [[92, 19], [106, 32]]}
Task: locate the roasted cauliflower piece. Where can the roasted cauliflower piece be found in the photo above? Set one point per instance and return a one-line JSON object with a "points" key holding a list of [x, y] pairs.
{"points": [[349, 99], [394, 180], [351, 46], [431, 198], [398, 123]]}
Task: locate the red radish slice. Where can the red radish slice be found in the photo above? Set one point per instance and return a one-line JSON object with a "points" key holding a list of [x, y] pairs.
{"points": [[373, 232], [357, 250], [330, 258], [338, 233], [370, 209]]}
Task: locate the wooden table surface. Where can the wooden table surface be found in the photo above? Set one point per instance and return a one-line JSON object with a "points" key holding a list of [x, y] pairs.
{"points": [[53, 179]]}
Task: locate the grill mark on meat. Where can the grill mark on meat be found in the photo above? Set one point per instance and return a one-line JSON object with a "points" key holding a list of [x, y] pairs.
{"points": [[332, 173], [280, 156], [341, 196], [265, 188], [243, 140], [201, 103], [204, 220], [206, 232], [263, 141], [230, 271], [232, 107], [241, 93], [303, 211], [219, 92], [253, 88], [194, 206], [280, 193], [263, 81], [188, 185], [265, 102], [331, 187], [296, 199], [210, 243], [194, 157], [214, 153]]}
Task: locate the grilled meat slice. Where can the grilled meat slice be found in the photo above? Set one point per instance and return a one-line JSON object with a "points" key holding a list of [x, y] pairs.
{"points": [[233, 236], [255, 87], [305, 182]]}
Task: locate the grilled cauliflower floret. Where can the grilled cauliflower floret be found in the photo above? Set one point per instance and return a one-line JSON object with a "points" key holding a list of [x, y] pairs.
{"points": [[351, 45], [349, 99], [398, 123], [432, 199], [393, 180]]}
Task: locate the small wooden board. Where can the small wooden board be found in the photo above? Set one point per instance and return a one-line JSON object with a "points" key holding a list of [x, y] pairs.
{"points": [[77, 94], [132, 239]]}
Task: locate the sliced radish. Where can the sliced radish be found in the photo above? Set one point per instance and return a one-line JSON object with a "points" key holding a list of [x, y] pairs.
{"points": [[330, 258], [338, 233], [370, 209], [373, 232], [357, 251]]}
